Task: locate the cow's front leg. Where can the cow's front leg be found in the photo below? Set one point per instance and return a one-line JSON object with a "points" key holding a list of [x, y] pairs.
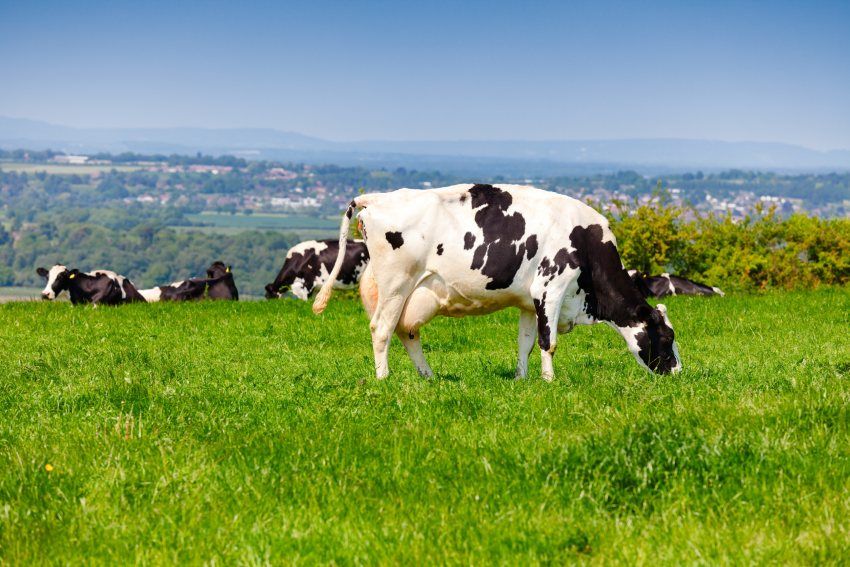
{"points": [[420, 308], [413, 346], [547, 308], [525, 341]]}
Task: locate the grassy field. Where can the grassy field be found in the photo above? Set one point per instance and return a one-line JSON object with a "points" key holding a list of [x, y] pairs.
{"points": [[305, 226], [255, 433], [62, 169]]}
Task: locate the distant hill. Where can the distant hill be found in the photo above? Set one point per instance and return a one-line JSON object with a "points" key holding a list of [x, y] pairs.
{"points": [[510, 157]]}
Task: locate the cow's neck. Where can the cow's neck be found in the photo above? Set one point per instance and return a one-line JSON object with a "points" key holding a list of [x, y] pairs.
{"points": [[612, 298]]}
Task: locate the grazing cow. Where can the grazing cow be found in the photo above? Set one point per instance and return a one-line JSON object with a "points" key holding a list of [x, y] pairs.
{"points": [[665, 284], [308, 264], [221, 284], [99, 286], [474, 249]]}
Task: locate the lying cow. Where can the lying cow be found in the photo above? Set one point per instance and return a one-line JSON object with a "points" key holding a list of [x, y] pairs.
{"points": [[308, 264], [665, 284], [184, 290], [474, 249], [222, 285], [218, 284], [97, 287]]}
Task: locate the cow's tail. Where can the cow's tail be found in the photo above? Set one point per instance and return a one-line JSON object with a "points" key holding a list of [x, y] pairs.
{"points": [[328, 287]]}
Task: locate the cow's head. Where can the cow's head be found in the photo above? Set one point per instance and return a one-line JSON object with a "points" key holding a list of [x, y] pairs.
{"points": [[58, 279], [217, 269], [639, 280], [273, 292], [652, 340]]}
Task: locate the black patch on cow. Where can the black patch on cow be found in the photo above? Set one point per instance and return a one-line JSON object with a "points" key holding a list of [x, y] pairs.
{"points": [[549, 268], [350, 211], [531, 246], [462, 198], [395, 239], [468, 241], [307, 265], [612, 296], [498, 257], [440, 249], [543, 332]]}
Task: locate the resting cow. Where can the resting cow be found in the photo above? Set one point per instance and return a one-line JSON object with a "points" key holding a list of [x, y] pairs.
{"points": [[217, 285], [308, 264], [665, 284], [222, 284], [97, 287], [474, 249], [184, 290]]}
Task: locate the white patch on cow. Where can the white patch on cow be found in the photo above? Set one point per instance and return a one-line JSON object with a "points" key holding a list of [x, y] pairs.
{"points": [[177, 284], [307, 246], [300, 290], [54, 272], [663, 310], [630, 334], [151, 295], [669, 283]]}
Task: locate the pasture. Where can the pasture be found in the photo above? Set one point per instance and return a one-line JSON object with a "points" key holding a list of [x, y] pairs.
{"points": [[256, 432]]}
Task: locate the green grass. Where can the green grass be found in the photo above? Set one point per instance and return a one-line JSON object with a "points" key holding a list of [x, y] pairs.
{"points": [[255, 432], [265, 221]]}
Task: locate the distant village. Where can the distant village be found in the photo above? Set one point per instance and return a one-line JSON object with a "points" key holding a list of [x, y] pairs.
{"points": [[274, 187]]}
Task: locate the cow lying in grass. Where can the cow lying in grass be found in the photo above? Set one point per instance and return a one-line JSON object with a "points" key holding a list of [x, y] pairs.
{"points": [[308, 264], [222, 285], [218, 284], [665, 284], [474, 249], [97, 287]]}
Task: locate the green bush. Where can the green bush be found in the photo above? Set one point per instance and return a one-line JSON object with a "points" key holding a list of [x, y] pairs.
{"points": [[759, 252]]}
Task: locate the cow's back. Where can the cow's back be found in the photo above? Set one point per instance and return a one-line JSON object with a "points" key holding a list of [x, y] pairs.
{"points": [[478, 246]]}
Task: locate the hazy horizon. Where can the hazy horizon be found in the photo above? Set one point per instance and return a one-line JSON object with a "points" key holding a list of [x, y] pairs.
{"points": [[461, 72]]}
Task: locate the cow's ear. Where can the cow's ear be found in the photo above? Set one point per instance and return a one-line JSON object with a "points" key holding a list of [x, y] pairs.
{"points": [[42, 272]]}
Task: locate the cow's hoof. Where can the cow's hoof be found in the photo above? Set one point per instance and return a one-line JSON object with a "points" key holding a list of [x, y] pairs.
{"points": [[548, 377]]}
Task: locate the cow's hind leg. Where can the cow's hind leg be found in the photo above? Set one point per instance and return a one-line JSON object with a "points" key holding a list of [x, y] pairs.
{"points": [[547, 307], [392, 296], [525, 340]]}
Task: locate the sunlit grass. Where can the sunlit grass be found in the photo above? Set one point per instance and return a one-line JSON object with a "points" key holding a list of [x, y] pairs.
{"points": [[255, 432]]}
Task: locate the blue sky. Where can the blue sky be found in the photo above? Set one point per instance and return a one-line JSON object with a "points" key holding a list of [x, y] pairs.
{"points": [[765, 71]]}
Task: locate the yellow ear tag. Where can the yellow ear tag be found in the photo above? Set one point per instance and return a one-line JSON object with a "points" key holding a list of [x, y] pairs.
{"points": [[72, 276], [227, 271]]}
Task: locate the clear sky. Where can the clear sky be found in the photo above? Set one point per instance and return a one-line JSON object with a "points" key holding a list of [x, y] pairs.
{"points": [[764, 71]]}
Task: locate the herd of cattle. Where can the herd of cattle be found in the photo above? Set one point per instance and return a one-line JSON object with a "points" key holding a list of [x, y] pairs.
{"points": [[452, 251]]}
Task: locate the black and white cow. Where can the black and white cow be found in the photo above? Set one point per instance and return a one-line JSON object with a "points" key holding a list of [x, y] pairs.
{"points": [[474, 249], [184, 290], [218, 284], [665, 284], [97, 287], [308, 264], [221, 285]]}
